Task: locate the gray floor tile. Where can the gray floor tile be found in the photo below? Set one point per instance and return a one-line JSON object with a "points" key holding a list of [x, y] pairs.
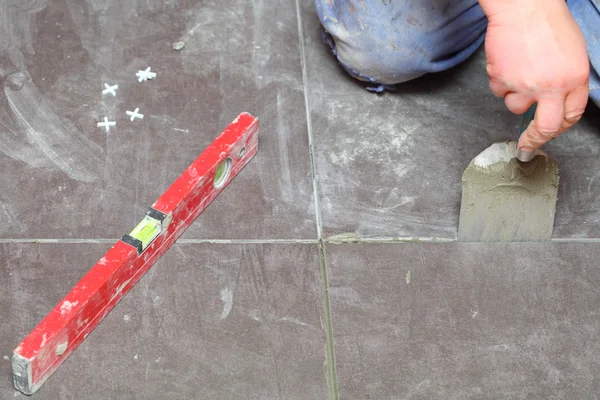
{"points": [[390, 165], [70, 179], [466, 321], [207, 322]]}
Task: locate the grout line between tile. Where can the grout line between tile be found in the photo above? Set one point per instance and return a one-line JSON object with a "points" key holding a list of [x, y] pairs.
{"points": [[331, 240], [350, 239], [575, 240], [56, 241], [330, 367], [248, 241], [309, 123], [180, 241]]}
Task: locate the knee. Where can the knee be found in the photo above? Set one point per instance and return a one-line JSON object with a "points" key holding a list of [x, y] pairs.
{"points": [[392, 46], [367, 52], [376, 59]]}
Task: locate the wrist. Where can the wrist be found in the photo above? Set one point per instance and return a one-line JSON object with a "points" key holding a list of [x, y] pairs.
{"points": [[514, 8], [494, 7]]}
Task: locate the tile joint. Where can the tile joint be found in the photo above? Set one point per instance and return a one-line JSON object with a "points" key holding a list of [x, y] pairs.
{"points": [[330, 372]]}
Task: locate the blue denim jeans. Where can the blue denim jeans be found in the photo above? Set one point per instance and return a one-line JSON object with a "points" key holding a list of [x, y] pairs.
{"points": [[392, 41]]}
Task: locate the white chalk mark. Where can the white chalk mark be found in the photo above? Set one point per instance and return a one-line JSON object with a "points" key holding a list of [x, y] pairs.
{"points": [[106, 124], [110, 89], [295, 321], [254, 315], [227, 298], [145, 75], [134, 114], [6, 358], [500, 347], [33, 133], [126, 318]]}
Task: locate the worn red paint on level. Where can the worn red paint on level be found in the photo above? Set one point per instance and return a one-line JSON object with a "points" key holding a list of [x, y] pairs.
{"points": [[95, 295]]}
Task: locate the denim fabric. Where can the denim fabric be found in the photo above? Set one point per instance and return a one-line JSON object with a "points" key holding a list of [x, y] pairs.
{"points": [[392, 41], [587, 15]]}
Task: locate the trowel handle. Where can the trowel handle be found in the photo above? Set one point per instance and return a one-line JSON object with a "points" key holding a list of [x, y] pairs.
{"points": [[526, 119]]}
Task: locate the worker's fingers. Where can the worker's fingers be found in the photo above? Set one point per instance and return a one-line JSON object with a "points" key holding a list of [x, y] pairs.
{"points": [[498, 88], [574, 107], [518, 103], [547, 123]]}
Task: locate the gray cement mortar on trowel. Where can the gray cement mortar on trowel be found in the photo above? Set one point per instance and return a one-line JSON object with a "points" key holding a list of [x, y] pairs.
{"points": [[504, 200]]}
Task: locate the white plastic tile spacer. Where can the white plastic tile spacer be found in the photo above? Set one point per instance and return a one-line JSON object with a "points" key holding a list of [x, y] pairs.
{"points": [[106, 124], [145, 75], [110, 89], [135, 114]]}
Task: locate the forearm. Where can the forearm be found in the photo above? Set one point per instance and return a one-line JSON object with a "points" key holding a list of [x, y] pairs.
{"points": [[494, 8]]}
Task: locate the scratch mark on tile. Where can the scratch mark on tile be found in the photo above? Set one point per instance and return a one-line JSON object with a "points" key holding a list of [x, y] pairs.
{"points": [[40, 138], [295, 321], [227, 298], [421, 257], [31, 130], [500, 347], [147, 368], [423, 385]]}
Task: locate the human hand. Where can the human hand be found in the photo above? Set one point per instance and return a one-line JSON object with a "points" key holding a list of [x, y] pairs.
{"points": [[537, 53]]}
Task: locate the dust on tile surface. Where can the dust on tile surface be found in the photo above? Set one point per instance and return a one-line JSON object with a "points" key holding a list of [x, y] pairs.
{"points": [[475, 320], [58, 160], [390, 165], [214, 321], [386, 165]]}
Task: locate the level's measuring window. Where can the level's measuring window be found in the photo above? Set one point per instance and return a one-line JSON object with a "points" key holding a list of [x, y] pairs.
{"points": [[146, 231], [223, 172]]}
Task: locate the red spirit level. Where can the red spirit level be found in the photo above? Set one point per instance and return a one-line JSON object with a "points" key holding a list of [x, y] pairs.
{"points": [[95, 295]]}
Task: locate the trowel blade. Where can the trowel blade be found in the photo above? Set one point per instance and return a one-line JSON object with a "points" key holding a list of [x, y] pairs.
{"points": [[504, 200]]}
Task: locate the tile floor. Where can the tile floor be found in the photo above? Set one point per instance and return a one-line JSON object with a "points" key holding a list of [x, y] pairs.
{"points": [[259, 299]]}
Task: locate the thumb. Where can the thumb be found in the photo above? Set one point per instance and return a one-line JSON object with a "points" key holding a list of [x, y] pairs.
{"points": [[546, 124]]}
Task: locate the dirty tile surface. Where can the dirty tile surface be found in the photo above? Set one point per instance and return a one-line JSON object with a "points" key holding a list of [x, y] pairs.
{"points": [[390, 165], [208, 321], [465, 321], [71, 179], [247, 317]]}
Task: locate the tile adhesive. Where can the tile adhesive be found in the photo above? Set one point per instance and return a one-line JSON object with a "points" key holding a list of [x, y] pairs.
{"points": [[506, 200]]}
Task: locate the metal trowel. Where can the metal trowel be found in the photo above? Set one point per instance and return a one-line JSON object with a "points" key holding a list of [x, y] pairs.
{"points": [[509, 195]]}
